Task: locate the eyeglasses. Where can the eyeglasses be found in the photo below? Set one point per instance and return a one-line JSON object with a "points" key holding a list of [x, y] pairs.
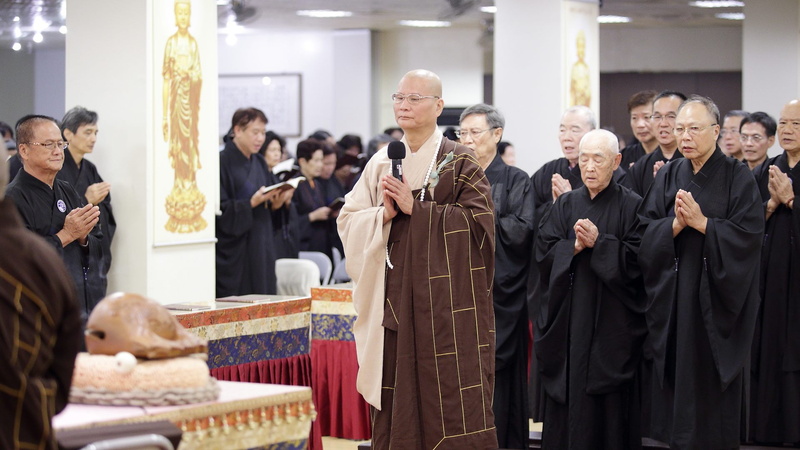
{"points": [[413, 99], [474, 133], [754, 138], [50, 145], [659, 117], [723, 132], [693, 131]]}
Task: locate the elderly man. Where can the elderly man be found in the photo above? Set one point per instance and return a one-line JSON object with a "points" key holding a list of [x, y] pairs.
{"points": [[702, 226], [757, 134], [662, 122], [79, 128], [640, 108], [550, 181], [591, 320], [40, 331], [53, 209], [730, 143], [421, 255], [775, 385], [481, 130]]}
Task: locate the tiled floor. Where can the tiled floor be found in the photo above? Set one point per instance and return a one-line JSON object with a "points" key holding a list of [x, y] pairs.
{"points": [[331, 443]]}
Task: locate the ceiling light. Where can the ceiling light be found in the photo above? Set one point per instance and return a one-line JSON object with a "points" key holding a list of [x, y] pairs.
{"points": [[717, 4], [231, 39], [323, 13], [16, 18], [17, 32], [489, 9], [40, 24], [424, 23], [38, 38], [223, 2], [16, 47], [730, 16], [613, 19], [62, 29]]}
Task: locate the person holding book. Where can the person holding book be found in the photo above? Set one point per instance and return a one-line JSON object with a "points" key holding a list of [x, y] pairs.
{"points": [[316, 220]]}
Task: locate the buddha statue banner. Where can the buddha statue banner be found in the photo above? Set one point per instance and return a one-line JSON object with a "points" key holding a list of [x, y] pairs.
{"points": [[186, 185]]}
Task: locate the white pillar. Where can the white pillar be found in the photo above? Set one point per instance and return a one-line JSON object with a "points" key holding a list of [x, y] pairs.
{"points": [[771, 55], [534, 51], [114, 55]]}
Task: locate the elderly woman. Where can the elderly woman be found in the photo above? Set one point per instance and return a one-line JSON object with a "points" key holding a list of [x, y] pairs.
{"points": [[273, 149], [316, 219]]}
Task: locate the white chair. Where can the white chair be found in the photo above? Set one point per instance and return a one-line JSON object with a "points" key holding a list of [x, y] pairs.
{"points": [[296, 276], [322, 261]]}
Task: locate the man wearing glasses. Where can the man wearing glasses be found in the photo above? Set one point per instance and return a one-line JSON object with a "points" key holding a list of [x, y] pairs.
{"points": [[481, 129], [701, 227], [662, 122], [730, 143], [757, 134], [52, 208], [420, 252], [775, 385]]}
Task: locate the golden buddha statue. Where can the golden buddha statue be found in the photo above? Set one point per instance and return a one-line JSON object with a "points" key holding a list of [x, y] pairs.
{"points": [[181, 108], [580, 89]]}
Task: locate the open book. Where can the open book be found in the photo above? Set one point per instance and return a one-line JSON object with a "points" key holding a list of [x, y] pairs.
{"points": [[285, 170], [283, 185]]}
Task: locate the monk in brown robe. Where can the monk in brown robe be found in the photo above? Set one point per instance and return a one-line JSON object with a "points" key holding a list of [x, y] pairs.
{"points": [[421, 255]]}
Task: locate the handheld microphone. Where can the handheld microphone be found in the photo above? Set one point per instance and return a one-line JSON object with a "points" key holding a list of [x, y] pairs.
{"points": [[396, 152]]}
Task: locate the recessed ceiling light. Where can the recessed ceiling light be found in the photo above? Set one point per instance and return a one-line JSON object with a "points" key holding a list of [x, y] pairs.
{"points": [[489, 9], [62, 29], [37, 37], [324, 13], [425, 23], [613, 19], [717, 4], [730, 16], [16, 47]]}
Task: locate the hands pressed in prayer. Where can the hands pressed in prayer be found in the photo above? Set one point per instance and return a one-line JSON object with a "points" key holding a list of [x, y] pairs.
{"points": [[78, 223], [780, 190], [688, 213], [399, 192], [658, 165], [97, 192], [586, 234], [560, 185], [260, 197]]}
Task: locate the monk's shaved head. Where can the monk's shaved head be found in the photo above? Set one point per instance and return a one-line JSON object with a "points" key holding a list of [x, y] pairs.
{"points": [[432, 81]]}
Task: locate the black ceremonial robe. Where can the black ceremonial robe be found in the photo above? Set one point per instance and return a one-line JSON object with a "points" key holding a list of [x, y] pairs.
{"points": [[43, 210], [775, 381], [631, 154], [81, 178], [702, 300], [245, 238], [513, 209], [591, 324], [541, 183], [313, 236], [640, 176]]}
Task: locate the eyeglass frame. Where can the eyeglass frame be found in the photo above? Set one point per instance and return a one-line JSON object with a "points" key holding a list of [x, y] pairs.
{"points": [[458, 133], [413, 99], [693, 131], [660, 118], [723, 132], [51, 145], [754, 138]]}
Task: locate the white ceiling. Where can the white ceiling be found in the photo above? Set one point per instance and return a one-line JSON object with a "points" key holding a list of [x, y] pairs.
{"points": [[373, 14]]}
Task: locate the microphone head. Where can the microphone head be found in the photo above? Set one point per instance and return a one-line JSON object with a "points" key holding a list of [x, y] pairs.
{"points": [[396, 150]]}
